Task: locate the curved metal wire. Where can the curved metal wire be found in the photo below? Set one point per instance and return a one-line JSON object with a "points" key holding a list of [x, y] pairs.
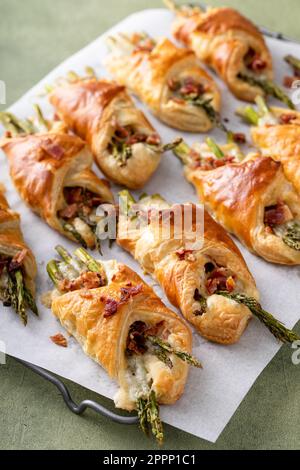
{"points": [[81, 407]]}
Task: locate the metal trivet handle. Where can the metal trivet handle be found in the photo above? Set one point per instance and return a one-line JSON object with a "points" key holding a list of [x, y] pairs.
{"points": [[78, 409]]}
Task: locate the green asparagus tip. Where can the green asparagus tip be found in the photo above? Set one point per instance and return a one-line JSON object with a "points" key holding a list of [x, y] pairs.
{"points": [[90, 262], [293, 61], [249, 115], [54, 272], [215, 148], [274, 326], [184, 356], [182, 151]]}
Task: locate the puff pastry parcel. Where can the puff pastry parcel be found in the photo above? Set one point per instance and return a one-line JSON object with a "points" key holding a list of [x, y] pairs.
{"points": [[229, 43], [277, 133], [125, 146], [253, 200], [17, 263], [192, 266], [52, 172], [169, 80], [121, 324]]}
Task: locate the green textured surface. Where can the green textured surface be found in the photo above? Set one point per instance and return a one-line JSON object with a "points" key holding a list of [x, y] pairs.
{"points": [[35, 36]]}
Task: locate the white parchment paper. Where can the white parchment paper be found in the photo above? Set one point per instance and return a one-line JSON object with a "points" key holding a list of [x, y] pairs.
{"points": [[212, 395]]}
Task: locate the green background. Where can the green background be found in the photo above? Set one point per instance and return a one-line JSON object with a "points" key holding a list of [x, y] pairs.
{"points": [[35, 36]]}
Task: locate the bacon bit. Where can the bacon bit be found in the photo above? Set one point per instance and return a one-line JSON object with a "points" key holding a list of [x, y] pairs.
{"points": [[190, 86], [59, 340], [239, 138], [17, 260], [155, 330], [73, 195], [88, 280], [127, 292], [153, 139], [254, 61], [183, 254], [288, 81], [55, 151], [178, 100], [277, 215], [8, 134], [136, 338], [136, 139], [258, 64], [219, 280], [121, 132], [269, 230], [68, 212], [287, 118], [173, 84], [111, 306], [211, 163]]}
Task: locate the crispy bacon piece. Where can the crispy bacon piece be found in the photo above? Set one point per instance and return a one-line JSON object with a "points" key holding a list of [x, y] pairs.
{"points": [[183, 254], [211, 163], [127, 292], [153, 139], [55, 151], [69, 212], [59, 340], [254, 61], [239, 138], [111, 306], [288, 81], [258, 64], [88, 280], [137, 336], [17, 261], [278, 214], [219, 280], [287, 118]]}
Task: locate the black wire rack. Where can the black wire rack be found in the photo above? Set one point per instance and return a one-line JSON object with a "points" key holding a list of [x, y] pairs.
{"points": [[80, 408]]}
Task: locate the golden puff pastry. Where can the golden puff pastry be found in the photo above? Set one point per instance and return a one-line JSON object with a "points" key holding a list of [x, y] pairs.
{"points": [[278, 135], [125, 146], [121, 323], [254, 201], [192, 265], [52, 172], [17, 263], [169, 80], [229, 43]]}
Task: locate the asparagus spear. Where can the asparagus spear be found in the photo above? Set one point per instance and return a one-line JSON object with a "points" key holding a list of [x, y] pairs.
{"points": [[14, 125], [213, 115], [153, 417], [249, 115], [67, 257], [141, 405], [30, 301], [71, 229], [166, 147], [163, 357], [275, 326], [293, 61], [21, 305], [268, 87], [90, 262], [40, 118], [126, 201], [292, 237], [54, 272], [184, 356], [215, 148], [182, 151]]}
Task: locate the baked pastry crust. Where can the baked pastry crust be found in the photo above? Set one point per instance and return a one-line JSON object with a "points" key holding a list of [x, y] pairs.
{"points": [[147, 73], [104, 338], [221, 38], [12, 241], [237, 195], [42, 165], [92, 109], [159, 252], [282, 142]]}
